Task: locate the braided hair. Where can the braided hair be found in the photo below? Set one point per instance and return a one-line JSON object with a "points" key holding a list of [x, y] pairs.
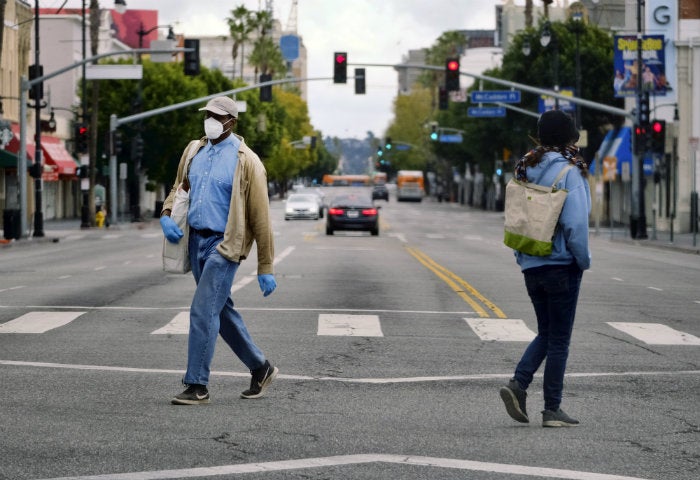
{"points": [[534, 156]]}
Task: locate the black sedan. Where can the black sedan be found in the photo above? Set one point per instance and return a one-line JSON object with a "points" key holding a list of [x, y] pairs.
{"points": [[380, 192], [352, 212]]}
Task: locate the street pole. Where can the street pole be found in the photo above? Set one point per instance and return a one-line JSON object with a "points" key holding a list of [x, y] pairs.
{"points": [[38, 181], [638, 222], [85, 209]]}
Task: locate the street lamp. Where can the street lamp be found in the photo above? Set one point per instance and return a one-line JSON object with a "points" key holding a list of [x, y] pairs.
{"points": [[546, 37], [120, 6], [526, 49]]}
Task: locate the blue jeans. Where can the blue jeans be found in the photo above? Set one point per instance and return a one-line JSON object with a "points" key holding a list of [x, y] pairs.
{"points": [[212, 312], [553, 291]]}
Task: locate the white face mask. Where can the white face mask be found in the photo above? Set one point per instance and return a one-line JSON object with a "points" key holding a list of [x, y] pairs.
{"points": [[213, 128]]}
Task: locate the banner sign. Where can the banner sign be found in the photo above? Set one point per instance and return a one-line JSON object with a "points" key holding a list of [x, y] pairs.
{"points": [[549, 103], [653, 71]]}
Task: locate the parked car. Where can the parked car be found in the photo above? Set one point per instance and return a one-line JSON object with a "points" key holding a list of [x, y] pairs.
{"points": [[302, 205], [380, 192], [352, 212]]}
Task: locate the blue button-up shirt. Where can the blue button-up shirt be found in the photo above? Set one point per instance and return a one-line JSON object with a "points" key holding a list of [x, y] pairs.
{"points": [[211, 180]]}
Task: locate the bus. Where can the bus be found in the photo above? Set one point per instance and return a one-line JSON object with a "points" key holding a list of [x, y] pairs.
{"points": [[409, 185], [346, 180]]}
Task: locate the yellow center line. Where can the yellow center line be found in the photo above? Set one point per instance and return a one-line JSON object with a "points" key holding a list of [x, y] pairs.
{"points": [[458, 284]]}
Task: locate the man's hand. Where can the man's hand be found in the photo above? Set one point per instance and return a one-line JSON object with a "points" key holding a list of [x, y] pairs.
{"points": [[170, 229], [267, 283]]}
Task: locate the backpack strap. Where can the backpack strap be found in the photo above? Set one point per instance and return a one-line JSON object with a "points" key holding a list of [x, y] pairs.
{"points": [[562, 172]]}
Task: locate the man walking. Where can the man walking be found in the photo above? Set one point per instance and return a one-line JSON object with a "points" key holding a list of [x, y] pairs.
{"points": [[229, 210]]}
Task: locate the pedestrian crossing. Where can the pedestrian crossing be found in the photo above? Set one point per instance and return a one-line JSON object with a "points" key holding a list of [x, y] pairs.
{"points": [[356, 325]]}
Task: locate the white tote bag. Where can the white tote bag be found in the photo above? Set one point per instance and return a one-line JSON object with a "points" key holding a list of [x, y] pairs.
{"points": [[176, 258]]}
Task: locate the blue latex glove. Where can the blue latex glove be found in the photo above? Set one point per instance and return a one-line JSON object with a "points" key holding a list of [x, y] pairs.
{"points": [[267, 283], [170, 229]]}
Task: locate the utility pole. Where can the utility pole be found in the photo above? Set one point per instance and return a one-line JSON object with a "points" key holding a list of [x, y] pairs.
{"points": [[638, 222], [38, 182]]}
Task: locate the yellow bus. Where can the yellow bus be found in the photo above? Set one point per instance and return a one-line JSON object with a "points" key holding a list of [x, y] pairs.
{"points": [[409, 185]]}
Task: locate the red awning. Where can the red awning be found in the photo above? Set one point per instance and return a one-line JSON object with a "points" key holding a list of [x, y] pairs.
{"points": [[54, 152]]}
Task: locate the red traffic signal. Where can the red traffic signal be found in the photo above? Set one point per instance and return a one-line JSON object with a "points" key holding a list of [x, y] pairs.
{"points": [[340, 67], [452, 74]]}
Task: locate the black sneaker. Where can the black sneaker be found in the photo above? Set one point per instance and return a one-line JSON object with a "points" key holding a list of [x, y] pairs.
{"points": [[262, 377], [557, 419], [514, 398], [193, 395]]}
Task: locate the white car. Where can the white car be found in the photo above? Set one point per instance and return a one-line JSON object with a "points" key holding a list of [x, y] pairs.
{"points": [[302, 205]]}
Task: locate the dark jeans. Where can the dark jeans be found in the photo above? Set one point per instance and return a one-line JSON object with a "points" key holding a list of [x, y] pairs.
{"points": [[554, 294]]}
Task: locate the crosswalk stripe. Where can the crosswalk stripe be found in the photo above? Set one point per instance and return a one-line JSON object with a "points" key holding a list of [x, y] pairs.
{"points": [[349, 325], [38, 322], [501, 329], [179, 325], [656, 333]]}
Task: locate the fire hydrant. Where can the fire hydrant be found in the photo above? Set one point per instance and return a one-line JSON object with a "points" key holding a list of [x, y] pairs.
{"points": [[100, 218]]}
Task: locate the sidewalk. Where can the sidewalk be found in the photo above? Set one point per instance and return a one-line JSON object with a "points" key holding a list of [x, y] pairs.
{"points": [[682, 242], [55, 230]]}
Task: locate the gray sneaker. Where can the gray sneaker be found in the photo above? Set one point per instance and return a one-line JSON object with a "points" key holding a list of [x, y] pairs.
{"points": [[514, 399], [557, 419]]}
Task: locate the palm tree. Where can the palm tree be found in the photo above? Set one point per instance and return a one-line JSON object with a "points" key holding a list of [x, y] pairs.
{"points": [[241, 24], [266, 56]]}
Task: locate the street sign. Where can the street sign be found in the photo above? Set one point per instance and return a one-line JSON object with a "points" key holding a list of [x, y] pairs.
{"points": [[289, 46], [493, 96], [113, 72], [450, 138], [486, 112]]}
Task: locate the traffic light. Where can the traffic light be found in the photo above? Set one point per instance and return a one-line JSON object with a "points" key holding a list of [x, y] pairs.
{"points": [[380, 152], [644, 109], [266, 91], [35, 170], [82, 140], [138, 147], [192, 58], [118, 145], [433, 133], [36, 92], [443, 100], [82, 171], [658, 136], [452, 74], [499, 167], [359, 81], [641, 135], [387, 144], [340, 67]]}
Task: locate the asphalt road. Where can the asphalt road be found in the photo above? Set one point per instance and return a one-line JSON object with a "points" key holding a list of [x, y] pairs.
{"points": [[425, 320]]}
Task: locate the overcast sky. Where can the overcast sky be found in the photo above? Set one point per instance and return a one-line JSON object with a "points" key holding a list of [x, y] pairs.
{"points": [[371, 31]]}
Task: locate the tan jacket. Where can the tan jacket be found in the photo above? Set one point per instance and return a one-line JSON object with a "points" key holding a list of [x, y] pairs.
{"points": [[249, 212]]}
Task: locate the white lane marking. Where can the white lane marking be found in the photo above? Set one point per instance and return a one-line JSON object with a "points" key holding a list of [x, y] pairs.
{"points": [[656, 333], [337, 460], [349, 325], [501, 329], [152, 235], [111, 236], [63, 277], [400, 236], [435, 236], [375, 381], [617, 279], [97, 269], [477, 238], [179, 325], [127, 262], [75, 237], [656, 288], [283, 255], [38, 322], [12, 288]]}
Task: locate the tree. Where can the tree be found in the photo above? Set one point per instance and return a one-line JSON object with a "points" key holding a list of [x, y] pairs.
{"points": [[412, 113], [266, 56], [241, 24]]}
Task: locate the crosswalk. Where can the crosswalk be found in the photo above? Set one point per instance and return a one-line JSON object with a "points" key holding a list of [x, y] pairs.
{"points": [[356, 325]]}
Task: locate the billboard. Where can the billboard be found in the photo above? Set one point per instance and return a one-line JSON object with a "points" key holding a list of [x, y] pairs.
{"points": [[627, 71]]}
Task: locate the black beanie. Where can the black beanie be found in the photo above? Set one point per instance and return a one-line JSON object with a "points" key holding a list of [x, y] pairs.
{"points": [[556, 129]]}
